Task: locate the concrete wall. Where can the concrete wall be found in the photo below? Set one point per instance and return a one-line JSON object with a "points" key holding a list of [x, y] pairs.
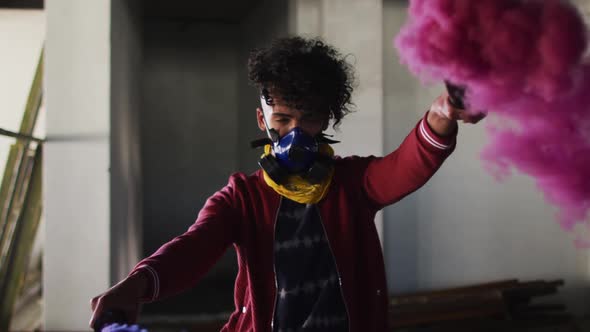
{"points": [[401, 112], [584, 7], [126, 169], [76, 162], [189, 125], [464, 227]]}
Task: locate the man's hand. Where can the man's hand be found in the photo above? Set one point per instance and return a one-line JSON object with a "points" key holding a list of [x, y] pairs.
{"points": [[443, 117], [124, 296]]}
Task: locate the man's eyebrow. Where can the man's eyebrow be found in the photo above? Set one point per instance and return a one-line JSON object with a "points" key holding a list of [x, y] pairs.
{"points": [[283, 114]]}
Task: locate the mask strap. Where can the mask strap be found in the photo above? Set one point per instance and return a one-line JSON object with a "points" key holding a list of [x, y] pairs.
{"points": [[323, 138], [260, 142], [266, 108]]}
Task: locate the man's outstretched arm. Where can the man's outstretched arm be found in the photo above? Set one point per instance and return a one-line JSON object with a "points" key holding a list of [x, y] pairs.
{"points": [[409, 167]]}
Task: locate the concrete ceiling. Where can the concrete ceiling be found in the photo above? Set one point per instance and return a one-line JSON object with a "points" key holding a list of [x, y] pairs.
{"points": [[215, 10], [22, 4]]}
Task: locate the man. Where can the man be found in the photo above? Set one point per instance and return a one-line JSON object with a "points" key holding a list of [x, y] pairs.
{"points": [[303, 225]]}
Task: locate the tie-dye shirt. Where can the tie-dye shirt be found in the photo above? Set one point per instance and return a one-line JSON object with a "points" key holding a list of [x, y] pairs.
{"points": [[309, 297]]}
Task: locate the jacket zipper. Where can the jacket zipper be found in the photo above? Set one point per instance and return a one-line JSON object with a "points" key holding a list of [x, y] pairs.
{"points": [[337, 269], [274, 267]]}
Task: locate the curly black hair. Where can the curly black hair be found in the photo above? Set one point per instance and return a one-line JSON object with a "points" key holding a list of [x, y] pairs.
{"points": [[307, 74]]}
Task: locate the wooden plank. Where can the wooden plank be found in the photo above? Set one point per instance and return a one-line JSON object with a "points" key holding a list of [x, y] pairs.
{"points": [[427, 296], [34, 100], [14, 237], [507, 300], [14, 201], [13, 174], [5, 188], [23, 243]]}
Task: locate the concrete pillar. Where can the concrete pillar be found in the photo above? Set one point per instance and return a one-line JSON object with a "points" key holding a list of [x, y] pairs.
{"points": [[76, 161]]}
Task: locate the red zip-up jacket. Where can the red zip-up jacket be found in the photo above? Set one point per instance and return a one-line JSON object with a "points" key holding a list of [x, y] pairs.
{"points": [[243, 214]]}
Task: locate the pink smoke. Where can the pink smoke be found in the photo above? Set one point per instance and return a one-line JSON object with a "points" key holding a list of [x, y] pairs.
{"points": [[523, 60]]}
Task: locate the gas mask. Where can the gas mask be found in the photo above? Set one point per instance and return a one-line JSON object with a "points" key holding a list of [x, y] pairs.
{"points": [[295, 153]]}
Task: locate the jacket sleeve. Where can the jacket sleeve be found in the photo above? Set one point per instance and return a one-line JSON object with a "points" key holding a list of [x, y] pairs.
{"points": [[388, 179], [180, 263]]}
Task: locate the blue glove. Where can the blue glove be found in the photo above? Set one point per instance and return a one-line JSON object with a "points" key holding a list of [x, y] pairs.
{"points": [[122, 328]]}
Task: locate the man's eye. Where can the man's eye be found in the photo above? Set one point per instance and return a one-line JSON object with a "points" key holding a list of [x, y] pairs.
{"points": [[284, 120]]}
